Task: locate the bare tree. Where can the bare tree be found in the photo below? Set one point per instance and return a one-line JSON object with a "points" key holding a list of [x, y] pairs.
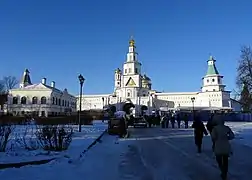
{"points": [[2, 87], [10, 82], [244, 70]]}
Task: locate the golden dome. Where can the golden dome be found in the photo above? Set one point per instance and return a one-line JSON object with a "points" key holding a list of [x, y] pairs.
{"points": [[131, 41]]}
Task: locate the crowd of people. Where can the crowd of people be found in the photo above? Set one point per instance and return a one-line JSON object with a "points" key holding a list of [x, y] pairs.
{"points": [[172, 118]]}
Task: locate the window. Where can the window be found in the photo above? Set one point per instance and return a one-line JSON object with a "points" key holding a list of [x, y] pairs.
{"points": [[125, 71], [56, 101], [63, 102], [59, 103], [213, 89], [207, 80], [118, 83], [213, 80], [34, 100], [144, 95], [43, 100], [136, 70], [128, 94], [129, 70], [53, 100], [23, 100], [15, 100]]}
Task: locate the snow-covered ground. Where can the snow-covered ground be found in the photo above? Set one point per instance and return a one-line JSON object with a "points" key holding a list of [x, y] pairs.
{"points": [[117, 159], [81, 140], [243, 131], [92, 166]]}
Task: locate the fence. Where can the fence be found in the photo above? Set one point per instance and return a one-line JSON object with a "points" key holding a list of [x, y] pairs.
{"points": [[231, 116]]}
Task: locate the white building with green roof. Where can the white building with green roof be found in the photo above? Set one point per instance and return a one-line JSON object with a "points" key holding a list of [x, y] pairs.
{"points": [[130, 85], [40, 99]]}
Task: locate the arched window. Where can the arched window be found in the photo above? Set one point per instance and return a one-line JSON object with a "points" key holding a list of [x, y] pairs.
{"points": [[56, 101], [43, 100], [53, 100], [15, 100], [23, 100], [34, 100]]}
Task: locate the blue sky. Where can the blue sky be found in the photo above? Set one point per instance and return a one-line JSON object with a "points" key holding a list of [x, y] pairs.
{"points": [[60, 39]]}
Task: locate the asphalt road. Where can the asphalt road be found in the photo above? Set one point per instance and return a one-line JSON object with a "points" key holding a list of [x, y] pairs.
{"points": [[170, 154]]}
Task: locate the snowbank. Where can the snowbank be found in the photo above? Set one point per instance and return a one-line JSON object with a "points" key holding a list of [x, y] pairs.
{"points": [[80, 141]]}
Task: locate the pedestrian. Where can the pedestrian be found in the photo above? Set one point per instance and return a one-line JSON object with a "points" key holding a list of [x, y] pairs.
{"points": [[123, 127], [199, 131], [167, 121], [178, 120], [186, 121], [221, 135], [162, 122], [173, 120], [210, 125]]}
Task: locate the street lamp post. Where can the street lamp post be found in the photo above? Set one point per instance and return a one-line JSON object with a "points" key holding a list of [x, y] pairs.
{"points": [[102, 103], [81, 79], [193, 99]]}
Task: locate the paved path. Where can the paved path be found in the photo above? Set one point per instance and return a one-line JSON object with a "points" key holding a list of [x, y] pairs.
{"points": [[160, 154], [149, 154]]}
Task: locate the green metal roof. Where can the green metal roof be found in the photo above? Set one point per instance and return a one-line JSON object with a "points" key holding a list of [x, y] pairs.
{"points": [[212, 70]]}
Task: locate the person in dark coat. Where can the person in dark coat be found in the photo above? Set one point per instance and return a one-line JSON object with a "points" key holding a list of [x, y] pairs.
{"points": [[186, 120], [221, 135], [178, 120], [123, 127], [173, 120], [199, 131], [162, 122], [167, 121], [210, 125]]}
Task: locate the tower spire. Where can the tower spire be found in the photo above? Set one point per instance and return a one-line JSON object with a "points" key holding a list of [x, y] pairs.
{"points": [[132, 54], [132, 41], [211, 70], [26, 80]]}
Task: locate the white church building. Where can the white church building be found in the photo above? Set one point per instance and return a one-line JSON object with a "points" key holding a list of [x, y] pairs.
{"points": [[39, 99], [130, 85]]}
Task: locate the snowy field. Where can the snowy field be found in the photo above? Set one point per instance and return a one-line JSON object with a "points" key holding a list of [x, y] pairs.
{"points": [[243, 131], [102, 161], [92, 166], [16, 151]]}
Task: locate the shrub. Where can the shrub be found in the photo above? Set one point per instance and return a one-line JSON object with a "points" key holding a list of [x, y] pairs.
{"points": [[5, 132], [27, 137], [54, 137]]}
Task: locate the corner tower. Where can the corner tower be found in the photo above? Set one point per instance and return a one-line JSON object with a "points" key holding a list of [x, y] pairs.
{"points": [[212, 81], [26, 80]]}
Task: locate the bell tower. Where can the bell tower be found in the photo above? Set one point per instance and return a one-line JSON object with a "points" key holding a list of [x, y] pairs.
{"points": [[132, 66]]}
